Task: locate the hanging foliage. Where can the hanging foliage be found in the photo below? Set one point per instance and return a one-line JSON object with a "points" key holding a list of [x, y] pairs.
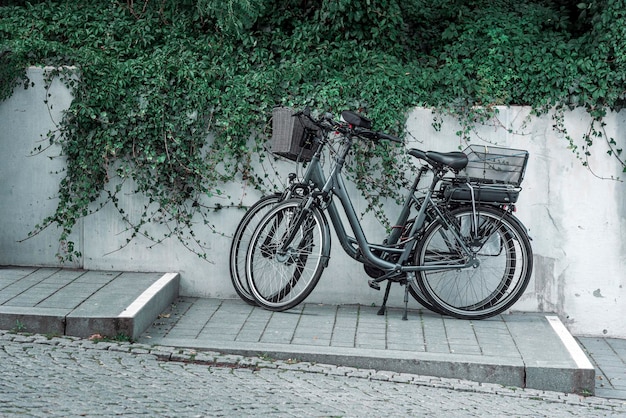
{"points": [[153, 80]]}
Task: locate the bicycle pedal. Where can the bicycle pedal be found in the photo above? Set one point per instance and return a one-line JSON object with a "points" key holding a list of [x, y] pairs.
{"points": [[373, 284]]}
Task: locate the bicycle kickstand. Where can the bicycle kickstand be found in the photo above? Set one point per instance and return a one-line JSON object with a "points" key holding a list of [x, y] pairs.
{"points": [[383, 307], [405, 315]]}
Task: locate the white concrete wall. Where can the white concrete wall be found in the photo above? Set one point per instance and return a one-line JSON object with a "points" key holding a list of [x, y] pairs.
{"points": [[576, 220], [29, 181]]}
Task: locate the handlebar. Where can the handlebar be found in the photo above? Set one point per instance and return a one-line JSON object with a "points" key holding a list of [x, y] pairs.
{"points": [[373, 135], [327, 123]]}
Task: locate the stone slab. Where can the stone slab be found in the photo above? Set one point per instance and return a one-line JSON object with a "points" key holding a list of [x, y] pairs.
{"points": [[82, 302], [521, 350]]}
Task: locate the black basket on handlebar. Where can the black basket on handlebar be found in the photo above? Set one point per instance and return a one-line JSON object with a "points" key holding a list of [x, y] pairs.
{"points": [[494, 165], [293, 137]]}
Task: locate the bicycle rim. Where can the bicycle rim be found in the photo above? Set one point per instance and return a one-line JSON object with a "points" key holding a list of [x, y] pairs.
{"points": [[505, 257], [279, 280], [416, 293], [414, 289], [241, 241]]}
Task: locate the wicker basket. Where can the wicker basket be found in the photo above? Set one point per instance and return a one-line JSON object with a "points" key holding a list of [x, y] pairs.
{"points": [[494, 165], [290, 137]]}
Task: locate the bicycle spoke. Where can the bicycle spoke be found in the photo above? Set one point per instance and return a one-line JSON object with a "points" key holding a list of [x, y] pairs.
{"points": [[241, 241], [281, 273], [494, 283]]}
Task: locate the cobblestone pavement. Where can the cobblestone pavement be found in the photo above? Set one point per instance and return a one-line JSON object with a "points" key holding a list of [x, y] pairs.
{"points": [[64, 376]]}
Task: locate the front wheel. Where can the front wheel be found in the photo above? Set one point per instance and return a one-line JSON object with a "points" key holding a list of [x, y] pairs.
{"points": [[500, 278], [282, 274], [241, 241]]}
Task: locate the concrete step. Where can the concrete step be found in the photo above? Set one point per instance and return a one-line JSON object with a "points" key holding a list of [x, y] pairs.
{"points": [[82, 303]]}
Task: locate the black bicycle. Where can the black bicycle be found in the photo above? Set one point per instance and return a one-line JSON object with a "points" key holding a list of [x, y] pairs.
{"points": [[458, 248]]}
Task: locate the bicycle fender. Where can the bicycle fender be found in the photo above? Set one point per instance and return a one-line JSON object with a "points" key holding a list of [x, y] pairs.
{"points": [[326, 242], [509, 216]]}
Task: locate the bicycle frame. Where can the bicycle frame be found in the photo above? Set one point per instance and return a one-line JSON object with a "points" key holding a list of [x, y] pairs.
{"points": [[333, 185], [455, 253]]}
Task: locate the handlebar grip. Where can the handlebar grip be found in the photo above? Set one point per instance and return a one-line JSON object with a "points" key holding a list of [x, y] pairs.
{"points": [[379, 135], [390, 138]]}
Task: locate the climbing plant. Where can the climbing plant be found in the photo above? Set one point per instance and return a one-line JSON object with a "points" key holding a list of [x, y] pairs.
{"points": [[172, 97]]}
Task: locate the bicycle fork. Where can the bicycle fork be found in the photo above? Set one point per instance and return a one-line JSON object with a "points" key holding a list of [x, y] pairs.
{"points": [[295, 224]]}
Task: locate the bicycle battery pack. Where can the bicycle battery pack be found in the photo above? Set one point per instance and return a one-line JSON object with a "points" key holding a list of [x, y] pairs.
{"points": [[485, 193]]}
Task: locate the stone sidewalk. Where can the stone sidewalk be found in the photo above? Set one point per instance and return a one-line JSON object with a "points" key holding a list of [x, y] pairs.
{"points": [[608, 356], [82, 302], [517, 349], [522, 350]]}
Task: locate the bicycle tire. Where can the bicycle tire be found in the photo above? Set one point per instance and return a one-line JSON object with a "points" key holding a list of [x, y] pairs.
{"points": [[495, 295], [281, 281], [416, 293], [241, 240], [414, 290], [505, 256]]}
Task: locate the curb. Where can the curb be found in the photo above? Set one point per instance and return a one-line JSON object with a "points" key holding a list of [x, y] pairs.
{"points": [[257, 364]]}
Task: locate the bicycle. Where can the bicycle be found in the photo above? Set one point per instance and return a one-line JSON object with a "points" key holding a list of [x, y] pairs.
{"points": [[241, 240], [310, 143], [466, 258]]}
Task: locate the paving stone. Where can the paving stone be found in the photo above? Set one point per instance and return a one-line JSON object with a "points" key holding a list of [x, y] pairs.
{"points": [[327, 332]]}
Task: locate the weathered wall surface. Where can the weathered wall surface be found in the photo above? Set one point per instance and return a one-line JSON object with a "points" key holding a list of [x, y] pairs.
{"points": [[576, 219], [29, 180]]}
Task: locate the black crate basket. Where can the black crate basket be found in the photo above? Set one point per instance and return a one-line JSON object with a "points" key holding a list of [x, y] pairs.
{"points": [[293, 137], [494, 165]]}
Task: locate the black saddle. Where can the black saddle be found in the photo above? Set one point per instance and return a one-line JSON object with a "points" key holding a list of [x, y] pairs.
{"points": [[456, 160], [355, 119]]}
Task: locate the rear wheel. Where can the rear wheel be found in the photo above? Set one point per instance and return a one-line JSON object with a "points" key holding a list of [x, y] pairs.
{"points": [[414, 290], [495, 284], [282, 274], [416, 293]]}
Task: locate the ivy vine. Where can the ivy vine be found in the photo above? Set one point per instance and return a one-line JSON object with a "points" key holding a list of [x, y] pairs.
{"points": [[169, 93]]}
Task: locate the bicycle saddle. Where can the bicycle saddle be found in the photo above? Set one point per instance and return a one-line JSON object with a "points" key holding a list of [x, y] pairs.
{"points": [[455, 160], [355, 119]]}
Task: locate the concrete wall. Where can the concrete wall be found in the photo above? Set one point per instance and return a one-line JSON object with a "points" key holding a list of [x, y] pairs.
{"points": [[576, 215], [29, 180], [576, 219]]}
